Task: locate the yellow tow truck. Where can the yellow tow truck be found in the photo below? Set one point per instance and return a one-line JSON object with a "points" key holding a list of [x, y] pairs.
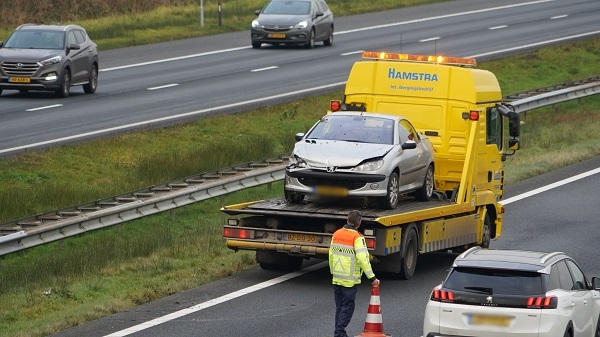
{"points": [[459, 108]]}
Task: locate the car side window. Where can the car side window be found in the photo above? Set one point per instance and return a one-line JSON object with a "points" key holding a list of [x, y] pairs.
{"points": [[71, 38], [580, 281], [403, 133], [553, 279], [324, 6], [411, 133], [79, 36], [566, 281]]}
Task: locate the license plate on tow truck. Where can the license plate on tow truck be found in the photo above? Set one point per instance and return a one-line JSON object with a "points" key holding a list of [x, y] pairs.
{"points": [[300, 237]]}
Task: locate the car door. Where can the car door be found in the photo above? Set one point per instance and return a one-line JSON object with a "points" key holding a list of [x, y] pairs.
{"points": [[582, 302], [410, 158], [78, 57], [322, 23]]}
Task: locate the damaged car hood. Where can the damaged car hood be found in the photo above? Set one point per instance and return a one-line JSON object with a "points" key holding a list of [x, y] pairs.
{"points": [[324, 153]]}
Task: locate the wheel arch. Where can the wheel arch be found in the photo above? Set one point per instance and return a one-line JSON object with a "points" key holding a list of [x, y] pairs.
{"points": [[491, 212]]}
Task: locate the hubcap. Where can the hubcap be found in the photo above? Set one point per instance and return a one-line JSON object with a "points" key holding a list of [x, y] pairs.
{"points": [[393, 192]]}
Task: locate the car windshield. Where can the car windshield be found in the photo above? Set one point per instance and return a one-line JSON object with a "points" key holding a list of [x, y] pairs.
{"points": [[36, 39], [287, 8], [363, 129], [494, 281]]}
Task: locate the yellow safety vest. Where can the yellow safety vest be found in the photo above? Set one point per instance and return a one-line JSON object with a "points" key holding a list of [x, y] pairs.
{"points": [[349, 257]]}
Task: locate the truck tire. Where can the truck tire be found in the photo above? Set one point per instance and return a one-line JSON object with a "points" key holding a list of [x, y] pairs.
{"points": [[487, 230], [426, 191], [410, 245]]}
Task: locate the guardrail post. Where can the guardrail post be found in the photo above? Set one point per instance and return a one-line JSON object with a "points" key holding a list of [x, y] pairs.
{"points": [[172, 213], [270, 186], [219, 13]]}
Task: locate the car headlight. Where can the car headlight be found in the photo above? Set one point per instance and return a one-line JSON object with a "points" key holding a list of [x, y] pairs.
{"points": [[302, 24], [369, 166], [53, 60], [255, 24]]}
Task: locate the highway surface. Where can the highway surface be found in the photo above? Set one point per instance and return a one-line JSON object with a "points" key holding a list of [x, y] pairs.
{"points": [[168, 82], [218, 74]]}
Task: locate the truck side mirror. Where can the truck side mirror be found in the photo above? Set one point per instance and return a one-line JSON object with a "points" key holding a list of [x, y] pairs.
{"points": [[513, 144], [514, 124]]}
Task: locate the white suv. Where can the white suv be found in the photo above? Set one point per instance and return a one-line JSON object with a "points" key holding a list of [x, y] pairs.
{"points": [[513, 292]]}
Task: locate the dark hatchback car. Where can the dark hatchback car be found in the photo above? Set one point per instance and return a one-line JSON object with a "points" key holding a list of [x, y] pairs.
{"points": [[48, 58], [299, 22]]}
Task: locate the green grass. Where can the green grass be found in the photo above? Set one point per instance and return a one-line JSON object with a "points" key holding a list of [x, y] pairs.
{"points": [[112, 25]]}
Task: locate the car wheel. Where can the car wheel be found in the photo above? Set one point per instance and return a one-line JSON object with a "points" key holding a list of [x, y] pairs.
{"points": [[411, 252], [426, 191], [90, 87], [311, 41], [65, 85], [486, 235], [567, 333], [23, 91], [329, 40], [391, 199], [293, 197], [0, 91], [598, 328], [256, 45]]}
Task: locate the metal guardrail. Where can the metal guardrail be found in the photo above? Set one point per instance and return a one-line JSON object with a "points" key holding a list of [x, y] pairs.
{"points": [[52, 226]]}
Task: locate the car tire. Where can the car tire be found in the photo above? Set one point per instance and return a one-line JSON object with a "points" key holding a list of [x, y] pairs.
{"points": [[92, 84], [390, 201], [410, 247], [329, 40], [598, 328], [23, 91], [256, 45], [487, 229], [426, 191], [293, 197], [65, 85], [0, 92], [567, 333], [311, 40]]}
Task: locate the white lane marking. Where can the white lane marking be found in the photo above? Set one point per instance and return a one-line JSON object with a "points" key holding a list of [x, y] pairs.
{"points": [[430, 39], [289, 276], [497, 27], [558, 17], [549, 187], [173, 117], [263, 69], [45, 107], [164, 86], [218, 300], [441, 17], [352, 53], [174, 58], [336, 33], [541, 43]]}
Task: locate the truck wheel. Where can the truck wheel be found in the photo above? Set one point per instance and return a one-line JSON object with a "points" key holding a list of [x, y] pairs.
{"points": [[411, 252], [391, 199], [426, 191], [486, 236]]}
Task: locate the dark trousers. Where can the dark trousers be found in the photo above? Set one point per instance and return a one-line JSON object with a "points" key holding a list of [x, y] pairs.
{"points": [[344, 308]]}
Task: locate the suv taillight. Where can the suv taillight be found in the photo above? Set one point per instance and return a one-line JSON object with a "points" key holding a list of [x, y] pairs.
{"points": [[542, 302], [442, 295]]}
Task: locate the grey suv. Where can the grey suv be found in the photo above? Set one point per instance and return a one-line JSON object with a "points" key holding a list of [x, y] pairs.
{"points": [[49, 58]]}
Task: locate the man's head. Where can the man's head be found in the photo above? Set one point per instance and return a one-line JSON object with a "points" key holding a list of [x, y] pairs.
{"points": [[354, 218]]}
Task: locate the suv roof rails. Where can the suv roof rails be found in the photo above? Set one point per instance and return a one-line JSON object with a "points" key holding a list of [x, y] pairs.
{"points": [[469, 251], [548, 256]]}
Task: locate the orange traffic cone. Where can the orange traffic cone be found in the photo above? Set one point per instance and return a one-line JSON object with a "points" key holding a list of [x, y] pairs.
{"points": [[374, 321]]}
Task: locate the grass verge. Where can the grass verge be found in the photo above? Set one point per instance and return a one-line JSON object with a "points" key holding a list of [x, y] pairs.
{"points": [[56, 286]]}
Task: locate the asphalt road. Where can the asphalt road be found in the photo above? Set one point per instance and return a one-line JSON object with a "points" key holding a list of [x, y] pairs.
{"points": [[155, 85], [260, 303]]}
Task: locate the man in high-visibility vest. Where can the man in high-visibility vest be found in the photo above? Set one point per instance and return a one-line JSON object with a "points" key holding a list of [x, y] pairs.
{"points": [[348, 259]]}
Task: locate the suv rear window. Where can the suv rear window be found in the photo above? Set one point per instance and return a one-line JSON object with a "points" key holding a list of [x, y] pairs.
{"points": [[494, 281]]}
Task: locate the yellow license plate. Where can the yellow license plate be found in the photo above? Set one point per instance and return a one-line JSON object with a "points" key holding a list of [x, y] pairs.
{"points": [[501, 321], [19, 79], [277, 36], [301, 237], [332, 191]]}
